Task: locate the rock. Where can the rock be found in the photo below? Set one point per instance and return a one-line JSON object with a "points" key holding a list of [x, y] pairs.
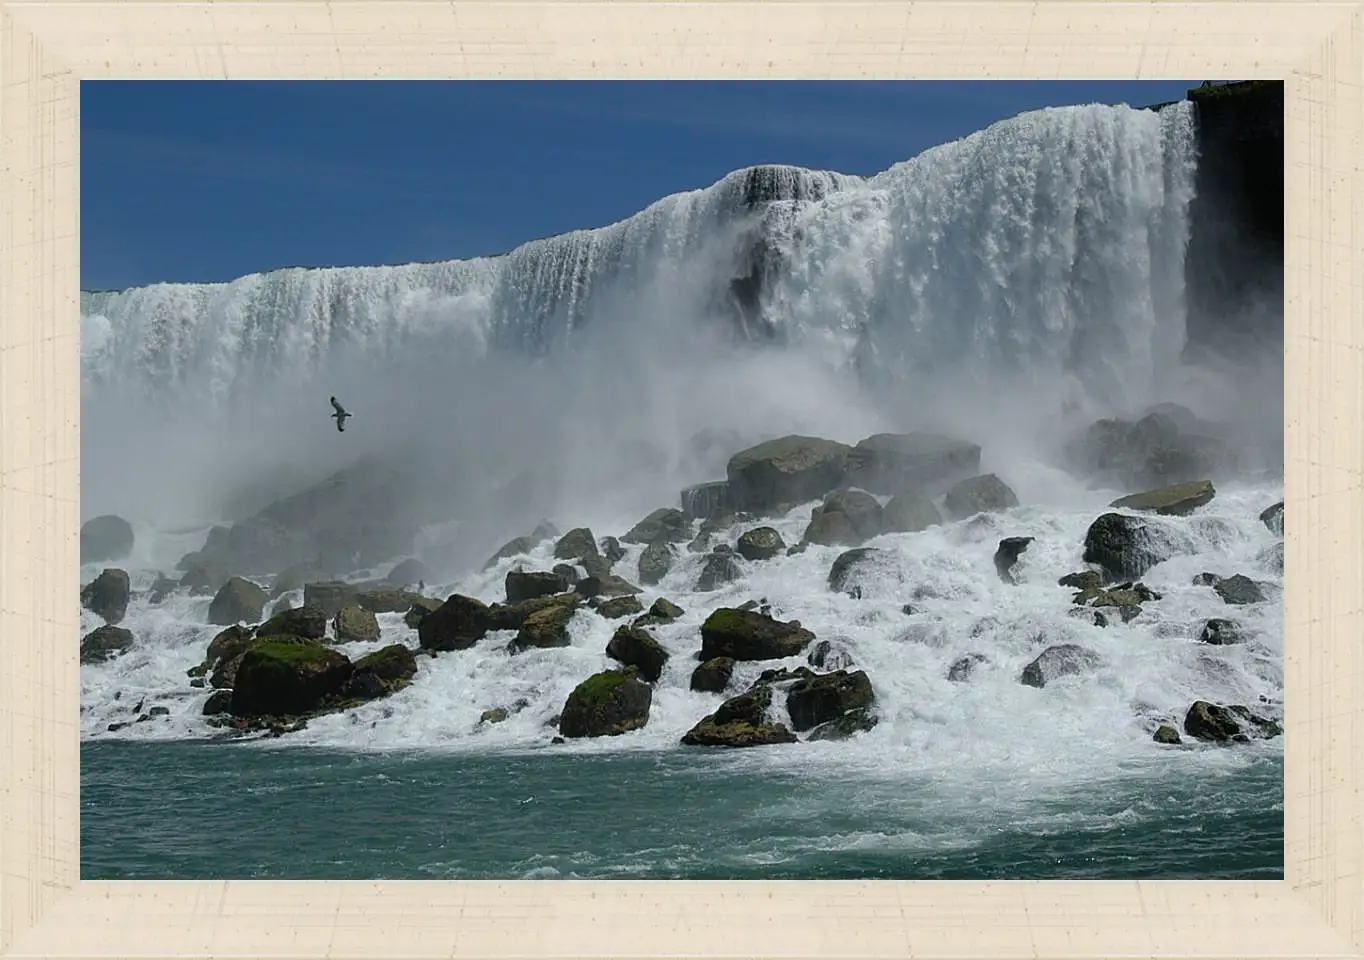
{"points": [[1063, 660], [547, 627], [495, 715], [280, 679], [826, 697], [161, 588], [104, 643], [706, 500], [611, 550], [1154, 450], [386, 599], [308, 622], [608, 585], [568, 572], [355, 624], [457, 624], [517, 546], [846, 517], [218, 702], [330, 596], [1217, 724], [418, 611], [408, 571], [891, 462], [825, 656], [983, 494], [238, 600], [107, 596], [1121, 546], [909, 513], [1239, 590], [523, 585], [1010, 549], [760, 543], [745, 635], [740, 722], [1272, 558], [228, 645], [718, 570], [1088, 615], [655, 562], [634, 647], [792, 469], [1126, 598], [577, 544], [606, 704], [1220, 632], [665, 609], [620, 607], [841, 573], [105, 538], [1272, 518], [843, 727], [1084, 580], [1178, 500], [1166, 734], [666, 524], [963, 667], [713, 675], [381, 673]]}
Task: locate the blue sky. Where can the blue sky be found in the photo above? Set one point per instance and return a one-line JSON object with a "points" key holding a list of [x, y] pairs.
{"points": [[211, 180]]}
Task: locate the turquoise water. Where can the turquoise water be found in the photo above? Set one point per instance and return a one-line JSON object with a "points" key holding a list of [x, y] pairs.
{"points": [[237, 811]]}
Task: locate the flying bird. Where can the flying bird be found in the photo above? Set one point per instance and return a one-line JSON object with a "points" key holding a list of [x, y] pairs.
{"points": [[340, 416]]}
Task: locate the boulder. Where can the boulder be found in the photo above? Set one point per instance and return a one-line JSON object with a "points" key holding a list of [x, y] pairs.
{"points": [[386, 599], [619, 607], [635, 647], [826, 697], [1239, 590], [791, 469], [718, 570], [104, 643], [860, 515], [105, 538], [1218, 724], [611, 550], [527, 585], [418, 611], [1166, 734], [705, 500], [381, 673], [107, 596], [825, 656], [330, 596], [1062, 660], [1155, 450], [909, 513], [457, 624], [218, 702], [355, 624], [1220, 632], [713, 675], [547, 627], [278, 678], [655, 562], [606, 704], [577, 544], [605, 585], [665, 609], [515, 547], [238, 600], [1121, 545], [1084, 580], [888, 463], [407, 572], [1177, 500], [666, 524], [308, 622], [845, 726], [844, 568], [1125, 598], [983, 494], [963, 667], [745, 635], [161, 588], [760, 543], [831, 529], [1272, 518], [1010, 549], [740, 722]]}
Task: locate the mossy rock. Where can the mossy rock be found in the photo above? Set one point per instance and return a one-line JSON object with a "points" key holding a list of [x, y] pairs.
{"points": [[278, 678], [513, 616], [1176, 500], [634, 647], [740, 722], [105, 643], [713, 676], [354, 624], [386, 599], [812, 701], [1083, 581], [619, 607], [381, 673], [107, 596], [457, 624], [745, 635], [1166, 734], [546, 628], [609, 703], [845, 726]]}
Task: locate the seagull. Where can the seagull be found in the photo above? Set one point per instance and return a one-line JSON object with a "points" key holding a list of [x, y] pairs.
{"points": [[340, 416], [525, 801]]}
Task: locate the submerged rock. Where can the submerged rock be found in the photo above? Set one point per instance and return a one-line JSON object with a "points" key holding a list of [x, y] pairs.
{"points": [[843, 727], [1221, 632], [963, 667], [825, 656], [606, 704], [238, 600], [1217, 724], [105, 538], [984, 494], [107, 596], [745, 635], [844, 567], [1178, 500]]}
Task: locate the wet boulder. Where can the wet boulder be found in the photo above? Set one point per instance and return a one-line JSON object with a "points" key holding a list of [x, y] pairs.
{"points": [[635, 647], [239, 600], [1213, 723], [457, 624], [605, 585], [547, 627], [826, 656], [354, 624], [983, 494], [1220, 632], [1122, 546], [666, 525], [1010, 549], [826, 697], [845, 517], [791, 469], [1177, 500], [746, 635], [740, 722], [705, 500], [760, 543], [1166, 734], [713, 675], [1239, 590], [1162, 447], [1272, 518], [105, 643], [515, 547], [527, 585], [1062, 660], [844, 571], [845, 725], [278, 678], [419, 609], [655, 562], [909, 513], [888, 463], [306, 621], [606, 704], [619, 607], [218, 702], [105, 538], [718, 570], [577, 544], [381, 673], [385, 599], [107, 596]]}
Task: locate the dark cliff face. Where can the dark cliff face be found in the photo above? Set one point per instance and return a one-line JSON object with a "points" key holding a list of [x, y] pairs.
{"points": [[1234, 267]]}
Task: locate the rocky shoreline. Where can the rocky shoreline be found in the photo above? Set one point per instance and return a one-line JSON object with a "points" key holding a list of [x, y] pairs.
{"points": [[273, 667]]}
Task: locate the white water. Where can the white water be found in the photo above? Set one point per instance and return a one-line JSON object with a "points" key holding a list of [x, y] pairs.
{"points": [[976, 287]]}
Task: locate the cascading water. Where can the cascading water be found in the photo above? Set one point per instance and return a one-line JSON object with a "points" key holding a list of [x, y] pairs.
{"points": [[974, 288]]}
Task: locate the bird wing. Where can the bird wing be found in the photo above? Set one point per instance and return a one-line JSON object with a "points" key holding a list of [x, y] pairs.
{"points": [[336, 406]]}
